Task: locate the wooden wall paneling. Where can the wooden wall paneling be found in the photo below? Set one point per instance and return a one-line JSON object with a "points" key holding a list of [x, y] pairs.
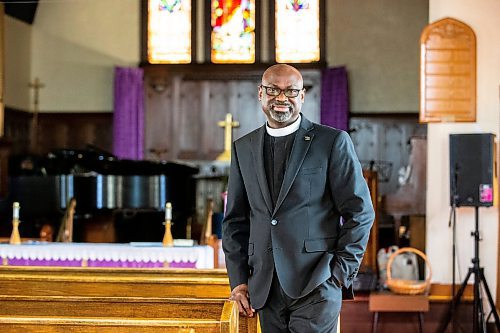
{"points": [[448, 72], [232, 88], [189, 127], [87, 134], [175, 117], [205, 118], [365, 137], [74, 131], [59, 138], [103, 132], [396, 143], [17, 129], [159, 105], [248, 109], [385, 139], [5, 148], [220, 101]]}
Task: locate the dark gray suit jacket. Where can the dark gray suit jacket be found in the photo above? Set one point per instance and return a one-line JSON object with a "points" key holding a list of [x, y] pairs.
{"points": [[302, 237]]}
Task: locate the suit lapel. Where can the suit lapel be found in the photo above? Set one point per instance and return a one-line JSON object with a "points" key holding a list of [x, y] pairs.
{"points": [[257, 146], [301, 145]]}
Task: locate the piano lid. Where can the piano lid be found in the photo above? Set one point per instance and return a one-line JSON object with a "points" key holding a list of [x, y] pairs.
{"points": [[98, 180], [92, 160]]}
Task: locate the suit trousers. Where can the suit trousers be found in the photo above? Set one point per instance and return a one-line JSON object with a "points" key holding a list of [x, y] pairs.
{"points": [[317, 312]]}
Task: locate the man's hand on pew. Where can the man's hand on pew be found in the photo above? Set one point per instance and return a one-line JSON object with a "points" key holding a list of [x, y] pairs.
{"points": [[240, 295]]}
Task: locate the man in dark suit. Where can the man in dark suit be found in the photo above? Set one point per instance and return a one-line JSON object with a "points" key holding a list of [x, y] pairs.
{"points": [[298, 214]]}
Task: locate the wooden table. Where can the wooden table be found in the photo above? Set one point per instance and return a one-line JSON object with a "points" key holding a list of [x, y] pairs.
{"points": [[390, 302]]}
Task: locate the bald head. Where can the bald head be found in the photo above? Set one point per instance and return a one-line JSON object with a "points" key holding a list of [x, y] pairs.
{"points": [[281, 94], [282, 71]]}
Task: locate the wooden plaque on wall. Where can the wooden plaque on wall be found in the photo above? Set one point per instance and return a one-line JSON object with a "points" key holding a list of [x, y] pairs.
{"points": [[447, 72]]}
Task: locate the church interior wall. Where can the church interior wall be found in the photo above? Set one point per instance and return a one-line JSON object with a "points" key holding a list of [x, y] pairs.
{"points": [[378, 42], [17, 39], [482, 17], [76, 46]]}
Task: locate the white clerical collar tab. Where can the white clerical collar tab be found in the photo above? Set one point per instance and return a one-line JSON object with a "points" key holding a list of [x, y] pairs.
{"points": [[285, 130]]}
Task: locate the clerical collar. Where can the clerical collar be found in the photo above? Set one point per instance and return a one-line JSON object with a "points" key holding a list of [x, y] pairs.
{"points": [[285, 130]]}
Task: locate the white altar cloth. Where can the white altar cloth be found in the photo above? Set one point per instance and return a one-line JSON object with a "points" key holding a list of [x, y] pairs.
{"points": [[141, 255]]}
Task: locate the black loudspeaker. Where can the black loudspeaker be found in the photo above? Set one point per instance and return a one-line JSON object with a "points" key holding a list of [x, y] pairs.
{"points": [[472, 169]]}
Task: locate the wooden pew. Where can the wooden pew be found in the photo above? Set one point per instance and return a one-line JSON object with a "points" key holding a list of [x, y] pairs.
{"points": [[121, 314], [111, 282]]}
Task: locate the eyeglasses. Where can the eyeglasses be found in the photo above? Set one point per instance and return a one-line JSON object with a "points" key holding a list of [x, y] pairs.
{"points": [[273, 91]]}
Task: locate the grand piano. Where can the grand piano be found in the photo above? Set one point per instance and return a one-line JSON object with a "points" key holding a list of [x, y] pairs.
{"points": [[124, 199]]}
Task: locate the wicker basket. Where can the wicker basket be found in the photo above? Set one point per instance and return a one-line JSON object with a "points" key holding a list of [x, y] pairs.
{"points": [[408, 287]]}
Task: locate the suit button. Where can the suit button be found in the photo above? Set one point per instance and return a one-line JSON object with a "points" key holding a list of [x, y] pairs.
{"points": [[274, 222]]}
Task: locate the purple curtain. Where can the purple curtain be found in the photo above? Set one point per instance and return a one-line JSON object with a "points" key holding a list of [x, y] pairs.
{"points": [[335, 98], [128, 116]]}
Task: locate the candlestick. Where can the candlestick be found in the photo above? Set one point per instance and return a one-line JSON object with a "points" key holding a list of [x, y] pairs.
{"points": [[168, 211], [15, 237], [15, 210], [168, 240]]}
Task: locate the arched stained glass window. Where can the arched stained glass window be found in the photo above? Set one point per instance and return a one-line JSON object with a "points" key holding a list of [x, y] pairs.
{"points": [[233, 31], [169, 31], [297, 30]]}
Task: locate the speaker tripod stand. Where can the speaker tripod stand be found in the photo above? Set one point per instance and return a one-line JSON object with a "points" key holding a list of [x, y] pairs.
{"points": [[479, 320]]}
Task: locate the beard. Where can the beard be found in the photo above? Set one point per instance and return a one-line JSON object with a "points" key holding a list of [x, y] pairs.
{"points": [[281, 116]]}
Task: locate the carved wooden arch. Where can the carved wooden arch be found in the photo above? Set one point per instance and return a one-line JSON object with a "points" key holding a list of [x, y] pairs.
{"points": [[447, 72]]}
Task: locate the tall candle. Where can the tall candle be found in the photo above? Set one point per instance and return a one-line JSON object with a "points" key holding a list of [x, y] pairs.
{"points": [[15, 211], [168, 211]]}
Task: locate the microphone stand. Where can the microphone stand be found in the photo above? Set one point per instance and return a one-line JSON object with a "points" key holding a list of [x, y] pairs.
{"points": [[453, 223]]}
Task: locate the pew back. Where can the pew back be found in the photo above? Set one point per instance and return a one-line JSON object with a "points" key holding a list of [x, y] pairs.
{"points": [[59, 313], [113, 282], [145, 287]]}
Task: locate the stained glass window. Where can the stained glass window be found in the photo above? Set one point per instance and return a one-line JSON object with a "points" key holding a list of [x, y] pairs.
{"points": [[297, 30], [233, 31], [169, 31]]}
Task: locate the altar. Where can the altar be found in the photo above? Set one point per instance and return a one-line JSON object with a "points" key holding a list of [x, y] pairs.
{"points": [[131, 255]]}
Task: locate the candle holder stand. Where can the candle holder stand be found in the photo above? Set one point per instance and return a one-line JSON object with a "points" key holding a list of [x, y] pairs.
{"points": [[15, 237]]}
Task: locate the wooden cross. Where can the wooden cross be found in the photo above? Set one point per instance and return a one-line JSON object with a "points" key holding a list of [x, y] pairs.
{"points": [[36, 85], [228, 125]]}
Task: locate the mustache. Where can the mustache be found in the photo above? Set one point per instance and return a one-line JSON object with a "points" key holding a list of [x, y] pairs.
{"points": [[281, 104]]}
